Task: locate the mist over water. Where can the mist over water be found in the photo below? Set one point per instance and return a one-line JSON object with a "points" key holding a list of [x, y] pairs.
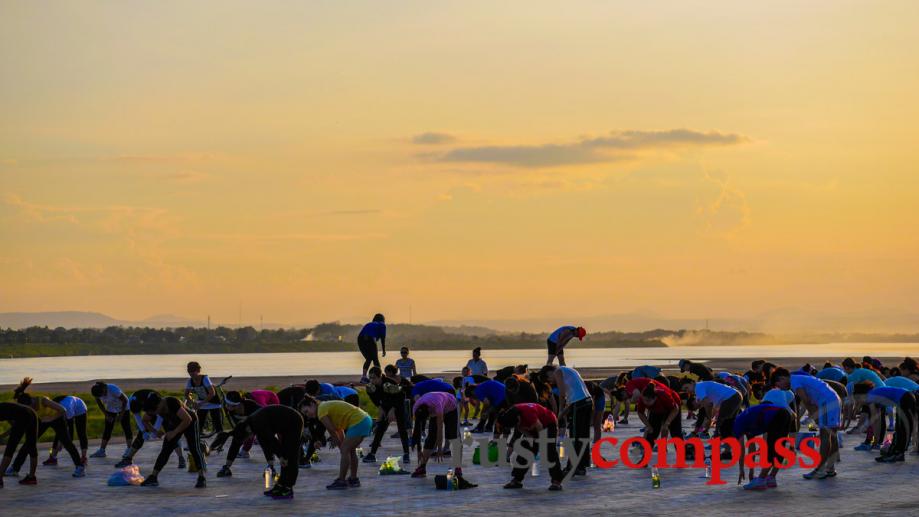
{"points": [[84, 368]]}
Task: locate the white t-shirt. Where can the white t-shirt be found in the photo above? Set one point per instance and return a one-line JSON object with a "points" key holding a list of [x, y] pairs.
{"points": [[714, 392], [73, 406], [112, 400], [201, 392]]}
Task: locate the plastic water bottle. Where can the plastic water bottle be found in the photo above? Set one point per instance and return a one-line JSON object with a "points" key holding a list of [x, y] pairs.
{"points": [[708, 468], [360, 452], [268, 474], [534, 470], [655, 478]]}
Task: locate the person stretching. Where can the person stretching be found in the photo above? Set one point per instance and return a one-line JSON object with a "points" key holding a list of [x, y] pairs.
{"points": [[23, 424], [771, 420], [279, 430], [529, 420], [557, 341], [51, 415], [904, 402], [388, 395], [147, 428], [576, 409], [178, 421], [114, 405], [347, 426], [442, 411], [824, 405], [76, 423]]}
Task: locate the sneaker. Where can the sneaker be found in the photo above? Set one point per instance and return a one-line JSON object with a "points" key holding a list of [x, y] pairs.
{"points": [[555, 488], [406, 459], [814, 474], [28, 480], [891, 458], [181, 462], [624, 421], [98, 454], [11, 472], [863, 447], [201, 483], [420, 472], [580, 472], [224, 472], [513, 484], [466, 423], [756, 484], [354, 482], [51, 461], [243, 454], [370, 458], [829, 474], [150, 481], [394, 436], [79, 471], [771, 482], [124, 463], [338, 484], [281, 492]]}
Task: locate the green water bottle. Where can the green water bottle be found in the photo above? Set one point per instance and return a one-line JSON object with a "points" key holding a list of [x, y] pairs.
{"points": [[655, 478]]}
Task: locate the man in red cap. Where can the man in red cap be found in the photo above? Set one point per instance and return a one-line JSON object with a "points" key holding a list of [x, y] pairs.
{"points": [[560, 338]]}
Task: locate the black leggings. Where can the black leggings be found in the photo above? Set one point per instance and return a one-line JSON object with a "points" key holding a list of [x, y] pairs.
{"points": [[368, 348], [78, 424], [383, 425], [906, 413], [451, 428], [316, 432], [60, 433], [286, 447], [776, 430], [657, 421], [192, 438], [215, 416], [726, 415], [580, 420], [530, 444], [28, 428], [110, 425]]}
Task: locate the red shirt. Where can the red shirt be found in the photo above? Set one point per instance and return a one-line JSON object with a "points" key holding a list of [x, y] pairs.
{"points": [[640, 384], [531, 413], [666, 401]]}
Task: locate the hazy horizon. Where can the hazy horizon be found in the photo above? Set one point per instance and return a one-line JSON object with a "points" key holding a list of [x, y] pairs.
{"points": [[474, 161]]}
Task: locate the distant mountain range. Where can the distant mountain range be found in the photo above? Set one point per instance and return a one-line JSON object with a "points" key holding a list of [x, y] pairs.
{"points": [[783, 321]]}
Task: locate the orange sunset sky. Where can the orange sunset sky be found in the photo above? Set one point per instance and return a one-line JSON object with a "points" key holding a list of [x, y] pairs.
{"points": [[327, 160]]}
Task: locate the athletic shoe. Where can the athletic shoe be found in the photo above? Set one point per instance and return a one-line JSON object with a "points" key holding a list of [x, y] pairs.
{"points": [[224, 472], [79, 471], [98, 454], [876, 447], [830, 474], [11, 472], [624, 421], [420, 472], [580, 472], [243, 454], [150, 481], [281, 492], [354, 482], [394, 436], [201, 483], [891, 458], [513, 484], [771, 482], [555, 488], [814, 474], [466, 422], [406, 459], [863, 447], [756, 484], [370, 458], [28, 480], [51, 461], [124, 463], [181, 462], [338, 484]]}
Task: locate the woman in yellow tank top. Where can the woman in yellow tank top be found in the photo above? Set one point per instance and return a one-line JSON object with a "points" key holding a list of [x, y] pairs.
{"points": [[50, 415]]}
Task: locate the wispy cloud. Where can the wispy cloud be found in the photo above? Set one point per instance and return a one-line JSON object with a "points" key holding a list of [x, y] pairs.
{"points": [[433, 138], [617, 146]]}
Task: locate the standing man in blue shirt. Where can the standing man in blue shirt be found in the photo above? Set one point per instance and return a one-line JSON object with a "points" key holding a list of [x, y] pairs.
{"points": [[558, 339], [367, 343]]}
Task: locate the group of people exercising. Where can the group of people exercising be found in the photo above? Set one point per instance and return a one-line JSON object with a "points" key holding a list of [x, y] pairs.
{"points": [[515, 402]]}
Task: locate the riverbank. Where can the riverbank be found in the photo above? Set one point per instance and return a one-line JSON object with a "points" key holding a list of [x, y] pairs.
{"points": [[242, 382]]}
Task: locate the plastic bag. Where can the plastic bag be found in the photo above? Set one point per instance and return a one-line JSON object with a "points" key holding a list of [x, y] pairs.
{"points": [[391, 466], [126, 476]]}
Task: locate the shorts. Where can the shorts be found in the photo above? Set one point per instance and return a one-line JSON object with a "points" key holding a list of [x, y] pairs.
{"points": [[830, 413], [553, 348], [361, 429]]}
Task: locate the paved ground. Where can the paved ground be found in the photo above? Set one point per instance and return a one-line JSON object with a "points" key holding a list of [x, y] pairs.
{"points": [[863, 487]]}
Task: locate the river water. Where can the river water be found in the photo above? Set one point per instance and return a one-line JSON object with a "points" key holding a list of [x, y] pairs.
{"points": [[83, 368]]}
